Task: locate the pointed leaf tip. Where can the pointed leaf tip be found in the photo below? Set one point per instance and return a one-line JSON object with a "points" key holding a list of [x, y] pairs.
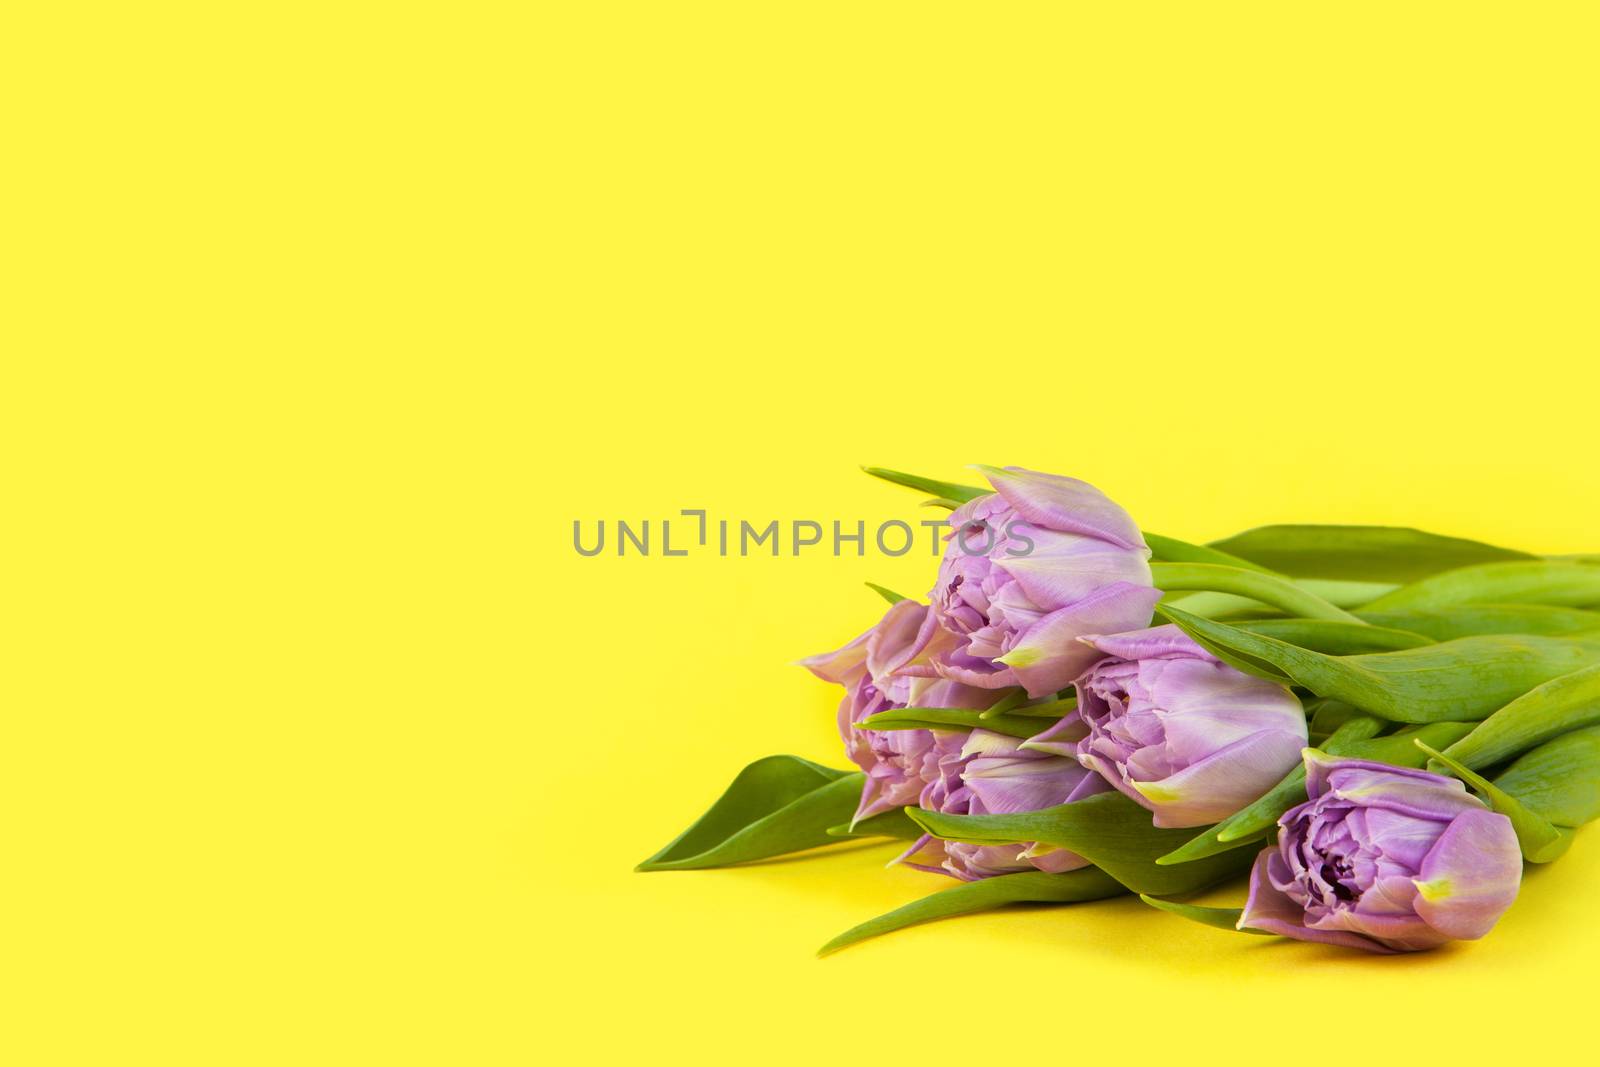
{"points": [[888, 594], [950, 491], [775, 805], [986, 894], [1217, 918], [1541, 840]]}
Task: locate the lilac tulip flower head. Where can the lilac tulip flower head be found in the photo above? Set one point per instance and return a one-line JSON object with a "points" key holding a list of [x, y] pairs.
{"points": [[1030, 569], [887, 668], [1176, 729], [1385, 859], [985, 773]]}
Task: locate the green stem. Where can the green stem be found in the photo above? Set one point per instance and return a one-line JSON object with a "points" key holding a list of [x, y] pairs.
{"points": [[1269, 589], [1172, 550]]}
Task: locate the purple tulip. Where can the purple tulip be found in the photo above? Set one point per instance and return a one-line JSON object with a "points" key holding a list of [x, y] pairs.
{"points": [[984, 773], [1176, 729], [872, 668], [1385, 859], [1029, 570]]}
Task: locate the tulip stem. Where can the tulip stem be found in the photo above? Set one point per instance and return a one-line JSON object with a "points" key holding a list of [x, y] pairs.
{"points": [[1267, 588]]}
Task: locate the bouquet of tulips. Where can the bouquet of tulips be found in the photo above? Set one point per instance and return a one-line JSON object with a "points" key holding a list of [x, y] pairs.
{"points": [[1376, 726]]}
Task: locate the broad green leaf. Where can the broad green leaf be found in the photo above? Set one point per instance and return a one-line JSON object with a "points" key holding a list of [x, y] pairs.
{"points": [[1333, 637], [1565, 703], [941, 490], [1248, 824], [1558, 584], [1107, 829], [1470, 620], [941, 502], [1541, 840], [1257, 585], [1221, 918], [889, 824], [1560, 779], [1458, 680], [952, 719], [985, 895], [775, 805], [1171, 550], [1325, 716], [1362, 553]]}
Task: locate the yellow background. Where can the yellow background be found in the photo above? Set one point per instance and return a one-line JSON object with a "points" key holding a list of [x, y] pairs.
{"points": [[322, 323]]}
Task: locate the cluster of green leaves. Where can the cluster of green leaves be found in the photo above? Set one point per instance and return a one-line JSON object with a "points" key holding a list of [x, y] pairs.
{"points": [[1468, 702], [1407, 647]]}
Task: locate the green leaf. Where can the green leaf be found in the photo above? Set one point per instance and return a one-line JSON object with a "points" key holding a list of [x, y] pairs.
{"points": [[952, 719], [1226, 605], [1257, 585], [1172, 550], [888, 594], [1333, 637], [985, 895], [1047, 709], [888, 824], [1221, 918], [1248, 824], [1559, 584], [941, 490], [1345, 594], [1458, 680], [1398, 749], [1470, 620], [775, 805], [1541, 840], [1325, 716], [1220, 605], [1107, 829], [1568, 702], [1010, 700], [1560, 779], [1362, 553]]}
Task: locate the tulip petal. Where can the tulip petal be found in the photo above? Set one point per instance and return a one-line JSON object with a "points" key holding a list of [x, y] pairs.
{"points": [[899, 637], [1406, 789], [1060, 503], [1060, 739], [1027, 782], [1048, 655], [1156, 642], [1223, 782], [1471, 875], [843, 665], [1269, 908], [1064, 568]]}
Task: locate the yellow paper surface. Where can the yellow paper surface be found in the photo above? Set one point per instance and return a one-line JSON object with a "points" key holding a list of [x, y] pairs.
{"points": [[323, 323]]}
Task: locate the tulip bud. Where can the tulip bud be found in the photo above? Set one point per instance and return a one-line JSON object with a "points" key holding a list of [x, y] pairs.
{"points": [[1384, 859], [886, 668], [985, 773], [1028, 571], [1177, 730]]}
